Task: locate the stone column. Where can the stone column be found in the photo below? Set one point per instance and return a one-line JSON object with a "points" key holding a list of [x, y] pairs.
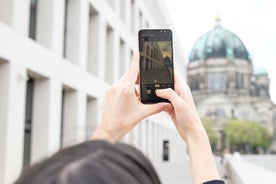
{"points": [[12, 108], [46, 118]]}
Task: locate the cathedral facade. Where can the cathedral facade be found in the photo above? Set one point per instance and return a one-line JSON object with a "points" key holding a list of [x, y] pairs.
{"points": [[224, 83]]}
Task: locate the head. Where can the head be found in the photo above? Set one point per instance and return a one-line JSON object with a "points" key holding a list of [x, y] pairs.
{"points": [[92, 162]]}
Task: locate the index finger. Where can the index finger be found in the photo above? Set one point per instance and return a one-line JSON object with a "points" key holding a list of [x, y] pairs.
{"points": [[133, 72]]}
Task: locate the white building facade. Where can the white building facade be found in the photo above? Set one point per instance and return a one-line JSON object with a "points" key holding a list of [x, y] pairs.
{"points": [[57, 58]]}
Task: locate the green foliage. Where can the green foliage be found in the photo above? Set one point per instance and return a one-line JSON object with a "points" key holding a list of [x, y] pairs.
{"points": [[242, 133], [209, 127]]}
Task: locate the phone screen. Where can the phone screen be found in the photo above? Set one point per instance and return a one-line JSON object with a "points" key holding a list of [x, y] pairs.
{"points": [[156, 63]]}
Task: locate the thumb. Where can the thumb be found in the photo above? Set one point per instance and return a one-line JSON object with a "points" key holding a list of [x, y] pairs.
{"points": [[170, 95]]}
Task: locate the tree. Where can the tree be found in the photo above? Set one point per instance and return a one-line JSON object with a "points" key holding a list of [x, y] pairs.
{"points": [[209, 127], [242, 135]]}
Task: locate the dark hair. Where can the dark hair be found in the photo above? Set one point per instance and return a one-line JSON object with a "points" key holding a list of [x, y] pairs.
{"points": [[92, 162]]}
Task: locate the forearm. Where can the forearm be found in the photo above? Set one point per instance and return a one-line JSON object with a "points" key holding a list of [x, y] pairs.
{"points": [[203, 167]]}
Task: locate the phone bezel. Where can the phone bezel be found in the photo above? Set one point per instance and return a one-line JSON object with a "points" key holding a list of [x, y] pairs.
{"points": [[154, 33]]}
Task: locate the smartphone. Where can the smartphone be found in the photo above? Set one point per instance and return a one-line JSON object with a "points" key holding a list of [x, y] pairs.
{"points": [[156, 63]]}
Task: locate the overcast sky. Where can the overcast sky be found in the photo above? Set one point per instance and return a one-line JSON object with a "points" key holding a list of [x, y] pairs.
{"points": [[252, 20]]}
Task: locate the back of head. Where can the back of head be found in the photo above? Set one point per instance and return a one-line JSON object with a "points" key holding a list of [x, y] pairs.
{"points": [[92, 162]]}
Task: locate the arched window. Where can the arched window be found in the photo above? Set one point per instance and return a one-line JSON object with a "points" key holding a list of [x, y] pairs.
{"points": [[217, 81]]}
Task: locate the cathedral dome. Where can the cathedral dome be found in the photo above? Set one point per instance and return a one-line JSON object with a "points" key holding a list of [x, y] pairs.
{"points": [[219, 43]]}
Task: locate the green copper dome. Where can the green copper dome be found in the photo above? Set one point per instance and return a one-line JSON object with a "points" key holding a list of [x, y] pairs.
{"points": [[219, 43]]}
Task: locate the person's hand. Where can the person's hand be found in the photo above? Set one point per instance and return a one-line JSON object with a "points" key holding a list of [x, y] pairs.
{"points": [[189, 126], [183, 113], [123, 109]]}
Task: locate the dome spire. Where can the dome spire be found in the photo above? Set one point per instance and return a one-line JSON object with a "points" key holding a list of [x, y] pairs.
{"points": [[217, 20]]}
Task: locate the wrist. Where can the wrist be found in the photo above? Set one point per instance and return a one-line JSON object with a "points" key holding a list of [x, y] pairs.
{"points": [[197, 136], [201, 157], [100, 134]]}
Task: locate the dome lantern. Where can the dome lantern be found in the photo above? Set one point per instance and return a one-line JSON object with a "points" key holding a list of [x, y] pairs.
{"points": [[218, 21]]}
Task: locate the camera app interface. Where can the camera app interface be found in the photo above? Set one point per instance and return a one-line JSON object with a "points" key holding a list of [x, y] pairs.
{"points": [[156, 66]]}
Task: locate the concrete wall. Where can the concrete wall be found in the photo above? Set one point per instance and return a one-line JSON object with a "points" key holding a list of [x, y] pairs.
{"points": [[241, 171], [264, 161], [71, 71]]}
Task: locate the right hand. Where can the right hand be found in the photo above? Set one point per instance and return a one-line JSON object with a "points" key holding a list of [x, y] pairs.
{"points": [[190, 128], [183, 113]]}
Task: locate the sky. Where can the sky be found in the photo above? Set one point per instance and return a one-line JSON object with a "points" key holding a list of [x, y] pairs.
{"points": [[252, 20]]}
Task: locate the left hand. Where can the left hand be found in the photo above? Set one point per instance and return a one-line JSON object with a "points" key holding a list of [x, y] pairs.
{"points": [[123, 109]]}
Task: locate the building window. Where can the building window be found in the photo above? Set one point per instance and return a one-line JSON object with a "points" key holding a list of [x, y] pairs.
{"points": [[91, 116], [217, 81], [122, 59], [239, 81], [33, 18], [71, 38], [109, 64], [264, 119], [147, 64], [68, 124], [62, 119], [140, 20], [132, 14], [93, 41], [166, 150], [147, 25], [28, 123], [263, 92], [194, 82], [65, 28]]}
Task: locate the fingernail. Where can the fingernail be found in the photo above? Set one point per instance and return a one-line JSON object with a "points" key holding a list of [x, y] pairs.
{"points": [[157, 91]]}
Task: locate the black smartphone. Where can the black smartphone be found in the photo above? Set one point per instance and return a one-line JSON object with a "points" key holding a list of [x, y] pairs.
{"points": [[156, 63]]}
